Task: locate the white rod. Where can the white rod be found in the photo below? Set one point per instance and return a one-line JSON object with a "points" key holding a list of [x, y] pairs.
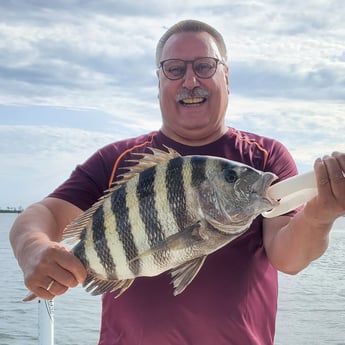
{"points": [[45, 322]]}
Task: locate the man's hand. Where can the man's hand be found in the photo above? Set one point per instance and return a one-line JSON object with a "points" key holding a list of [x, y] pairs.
{"points": [[51, 270], [329, 204]]}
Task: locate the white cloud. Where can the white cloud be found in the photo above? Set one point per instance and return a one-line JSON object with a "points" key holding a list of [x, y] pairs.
{"points": [[309, 129], [35, 159], [85, 69]]}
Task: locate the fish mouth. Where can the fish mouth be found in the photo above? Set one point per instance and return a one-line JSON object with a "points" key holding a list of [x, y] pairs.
{"points": [[261, 187]]}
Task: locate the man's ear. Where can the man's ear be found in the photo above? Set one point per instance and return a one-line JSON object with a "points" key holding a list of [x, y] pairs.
{"points": [[159, 83], [227, 80]]}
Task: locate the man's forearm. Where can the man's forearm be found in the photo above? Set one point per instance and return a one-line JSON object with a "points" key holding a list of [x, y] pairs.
{"points": [[35, 224], [296, 244]]}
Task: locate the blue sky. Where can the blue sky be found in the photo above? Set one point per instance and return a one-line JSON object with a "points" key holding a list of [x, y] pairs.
{"points": [[76, 75]]}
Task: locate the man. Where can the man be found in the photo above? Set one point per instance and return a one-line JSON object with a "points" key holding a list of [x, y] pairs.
{"points": [[233, 299]]}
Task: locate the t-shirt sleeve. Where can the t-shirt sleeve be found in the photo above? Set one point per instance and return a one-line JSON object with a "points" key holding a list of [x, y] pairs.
{"points": [[281, 163], [91, 179], [88, 181]]}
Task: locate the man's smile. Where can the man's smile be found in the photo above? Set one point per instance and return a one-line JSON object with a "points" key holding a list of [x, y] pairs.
{"points": [[192, 101]]}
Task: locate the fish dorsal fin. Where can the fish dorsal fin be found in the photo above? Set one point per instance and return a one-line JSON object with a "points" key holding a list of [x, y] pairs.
{"points": [[147, 161], [184, 274], [73, 231]]}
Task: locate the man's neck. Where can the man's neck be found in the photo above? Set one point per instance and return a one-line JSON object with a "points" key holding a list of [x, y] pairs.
{"points": [[194, 139]]}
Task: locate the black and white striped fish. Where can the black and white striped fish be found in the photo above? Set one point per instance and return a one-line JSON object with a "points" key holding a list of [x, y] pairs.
{"points": [[167, 213]]}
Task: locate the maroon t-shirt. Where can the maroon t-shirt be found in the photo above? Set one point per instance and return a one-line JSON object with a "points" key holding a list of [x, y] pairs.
{"points": [[232, 300]]}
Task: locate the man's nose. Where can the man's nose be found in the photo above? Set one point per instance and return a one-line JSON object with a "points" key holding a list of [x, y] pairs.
{"points": [[190, 80]]}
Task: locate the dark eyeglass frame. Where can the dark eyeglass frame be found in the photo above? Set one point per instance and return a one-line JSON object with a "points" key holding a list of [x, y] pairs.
{"points": [[186, 62]]}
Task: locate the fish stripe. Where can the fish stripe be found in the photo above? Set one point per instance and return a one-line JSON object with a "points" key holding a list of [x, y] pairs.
{"points": [[140, 238], [92, 255], [147, 207], [100, 241], [198, 164], [176, 191], [115, 245], [123, 228], [164, 213], [166, 219], [79, 249]]}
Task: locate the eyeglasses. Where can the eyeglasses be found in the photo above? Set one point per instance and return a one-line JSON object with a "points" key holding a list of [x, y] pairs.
{"points": [[203, 67]]}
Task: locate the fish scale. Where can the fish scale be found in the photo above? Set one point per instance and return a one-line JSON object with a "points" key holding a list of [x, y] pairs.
{"points": [[100, 242], [198, 165], [177, 178], [147, 207], [113, 240]]}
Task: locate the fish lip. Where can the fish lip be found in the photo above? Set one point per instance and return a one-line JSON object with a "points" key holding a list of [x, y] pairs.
{"points": [[261, 187]]}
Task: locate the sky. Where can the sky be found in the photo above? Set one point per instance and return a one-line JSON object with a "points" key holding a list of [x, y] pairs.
{"points": [[76, 75]]}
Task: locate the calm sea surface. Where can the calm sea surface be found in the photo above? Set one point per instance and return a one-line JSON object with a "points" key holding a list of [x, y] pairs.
{"points": [[311, 304]]}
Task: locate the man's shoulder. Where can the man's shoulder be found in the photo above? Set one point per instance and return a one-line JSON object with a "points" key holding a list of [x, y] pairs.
{"points": [[129, 144], [138, 141], [256, 150], [246, 137]]}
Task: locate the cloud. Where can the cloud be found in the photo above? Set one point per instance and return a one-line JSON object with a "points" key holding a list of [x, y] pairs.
{"points": [[77, 74], [262, 78], [63, 49], [35, 159], [85, 45], [309, 129]]}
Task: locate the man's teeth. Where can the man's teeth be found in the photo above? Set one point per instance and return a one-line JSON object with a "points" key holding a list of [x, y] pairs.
{"points": [[193, 100]]}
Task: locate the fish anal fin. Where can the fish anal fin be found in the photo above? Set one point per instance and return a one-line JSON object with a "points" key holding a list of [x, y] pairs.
{"points": [[183, 275], [97, 286]]}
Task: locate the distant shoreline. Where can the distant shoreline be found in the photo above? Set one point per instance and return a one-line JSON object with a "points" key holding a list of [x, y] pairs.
{"points": [[11, 210]]}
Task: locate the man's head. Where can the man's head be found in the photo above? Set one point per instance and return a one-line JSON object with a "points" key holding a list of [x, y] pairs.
{"points": [[193, 82], [191, 26]]}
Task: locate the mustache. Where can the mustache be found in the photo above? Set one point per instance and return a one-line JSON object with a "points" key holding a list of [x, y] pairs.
{"points": [[194, 93]]}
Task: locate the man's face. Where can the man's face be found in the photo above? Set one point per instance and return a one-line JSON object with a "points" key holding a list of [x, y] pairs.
{"points": [[186, 117]]}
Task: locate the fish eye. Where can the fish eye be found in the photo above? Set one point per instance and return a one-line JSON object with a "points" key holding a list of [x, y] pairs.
{"points": [[230, 175]]}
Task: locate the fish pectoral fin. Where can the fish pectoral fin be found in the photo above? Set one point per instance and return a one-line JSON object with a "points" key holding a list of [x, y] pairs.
{"points": [[184, 274], [97, 286], [177, 241], [187, 235]]}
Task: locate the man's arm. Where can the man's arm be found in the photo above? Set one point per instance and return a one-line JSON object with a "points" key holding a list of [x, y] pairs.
{"points": [[35, 237], [304, 238]]}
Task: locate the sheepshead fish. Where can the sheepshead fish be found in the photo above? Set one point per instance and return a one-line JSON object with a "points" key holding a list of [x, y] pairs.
{"points": [[168, 213]]}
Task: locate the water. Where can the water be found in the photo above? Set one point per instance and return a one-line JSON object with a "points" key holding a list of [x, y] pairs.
{"points": [[77, 314], [311, 304]]}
